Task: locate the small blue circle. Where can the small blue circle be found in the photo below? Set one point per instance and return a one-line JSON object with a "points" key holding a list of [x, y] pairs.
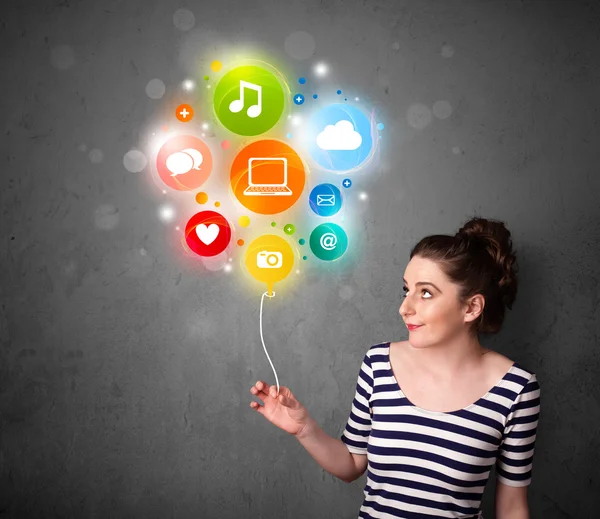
{"points": [[289, 135], [325, 200], [315, 96], [347, 183], [339, 92], [302, 80], [380, 126], [298, 99], [301, 241]]}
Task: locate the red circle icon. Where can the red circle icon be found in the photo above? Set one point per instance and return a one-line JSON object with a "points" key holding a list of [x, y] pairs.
{"points": [[207, 233], [184, 162]]}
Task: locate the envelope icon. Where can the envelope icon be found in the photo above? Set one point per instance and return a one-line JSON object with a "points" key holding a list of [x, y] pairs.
{"points": [[326, 200]]}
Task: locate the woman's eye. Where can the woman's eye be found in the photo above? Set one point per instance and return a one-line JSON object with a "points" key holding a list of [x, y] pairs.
{"points": [[423, 290]]}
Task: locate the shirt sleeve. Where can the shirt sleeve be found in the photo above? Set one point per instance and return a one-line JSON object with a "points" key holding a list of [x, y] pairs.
{"points": [[515, 456], [358, 426]]}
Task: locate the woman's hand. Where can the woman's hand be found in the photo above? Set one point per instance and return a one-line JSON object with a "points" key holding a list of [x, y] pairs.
{"points": [[284, 411]]}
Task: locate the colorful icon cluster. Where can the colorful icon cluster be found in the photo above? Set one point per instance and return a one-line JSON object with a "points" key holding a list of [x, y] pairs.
{"points": [[268, 176]]}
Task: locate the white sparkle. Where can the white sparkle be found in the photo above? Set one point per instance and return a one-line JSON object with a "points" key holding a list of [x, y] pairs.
{"points": [[207, 86], [177, 228], [356, 99], [228, 268], [188, 85], [205, 126], [164, 192], [296, 120], [166, 213], [320, 69], [363, 196], [297, 272]]}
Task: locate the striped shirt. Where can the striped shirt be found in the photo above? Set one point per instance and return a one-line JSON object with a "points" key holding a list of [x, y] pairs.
{"points": [[428, 464]]}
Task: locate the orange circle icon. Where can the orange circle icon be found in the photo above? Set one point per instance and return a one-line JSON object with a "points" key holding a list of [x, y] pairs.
{"points": [[267, 177], [184, 113]]}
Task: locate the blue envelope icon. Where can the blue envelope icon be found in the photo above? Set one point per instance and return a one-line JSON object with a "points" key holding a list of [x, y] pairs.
{"points": [[326, 200]]}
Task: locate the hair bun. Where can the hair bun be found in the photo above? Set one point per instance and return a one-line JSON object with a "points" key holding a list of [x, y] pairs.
{"points": [[495, 238]]}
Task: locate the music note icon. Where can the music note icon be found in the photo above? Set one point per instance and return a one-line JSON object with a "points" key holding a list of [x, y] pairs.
{"points": [[237, 105]]}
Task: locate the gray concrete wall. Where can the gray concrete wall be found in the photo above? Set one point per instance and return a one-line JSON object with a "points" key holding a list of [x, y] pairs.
{"points": [[125, 369]]}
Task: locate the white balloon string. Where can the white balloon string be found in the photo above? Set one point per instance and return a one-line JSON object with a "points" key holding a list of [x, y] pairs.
{"points": [[262, 338]]}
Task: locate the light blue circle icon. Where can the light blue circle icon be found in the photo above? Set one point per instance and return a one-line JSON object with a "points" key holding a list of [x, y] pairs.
{"points": [[340, 137], [298, 99], [328, 241], [325, 199]]}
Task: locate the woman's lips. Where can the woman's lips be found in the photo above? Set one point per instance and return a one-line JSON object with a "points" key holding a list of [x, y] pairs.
{"points": [[412, 327]]}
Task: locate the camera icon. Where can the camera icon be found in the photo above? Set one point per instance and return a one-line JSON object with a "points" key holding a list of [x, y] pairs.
{"points": [[269, 260]]}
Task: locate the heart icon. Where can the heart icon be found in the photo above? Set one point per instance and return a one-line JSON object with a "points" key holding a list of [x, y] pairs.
{"points": [[207, 234]]}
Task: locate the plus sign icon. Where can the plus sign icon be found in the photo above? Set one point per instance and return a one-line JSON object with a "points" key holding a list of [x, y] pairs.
{"points": [[184, 113], [347, 183], [298, 99]]}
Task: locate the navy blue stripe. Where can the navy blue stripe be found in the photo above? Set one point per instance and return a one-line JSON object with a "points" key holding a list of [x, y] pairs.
{"points": [[426, 487], [429, 456], [513, 477], [433, 440], [423, 471], [410, 500], [433, 423], [515, 463]]}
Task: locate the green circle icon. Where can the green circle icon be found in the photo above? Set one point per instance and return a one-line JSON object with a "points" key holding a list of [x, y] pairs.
{"points": [[249, 100], [328, 241]]}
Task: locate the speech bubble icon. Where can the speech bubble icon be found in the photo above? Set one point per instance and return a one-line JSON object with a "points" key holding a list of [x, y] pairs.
{"points": [[179, 163], [196, 157], [269, 259]]}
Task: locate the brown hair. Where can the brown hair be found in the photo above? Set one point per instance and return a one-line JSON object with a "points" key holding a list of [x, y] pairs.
{"points": [[480, 260]]}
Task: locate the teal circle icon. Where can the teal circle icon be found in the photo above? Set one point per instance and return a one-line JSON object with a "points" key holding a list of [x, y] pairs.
{"points": [[328, 241]]}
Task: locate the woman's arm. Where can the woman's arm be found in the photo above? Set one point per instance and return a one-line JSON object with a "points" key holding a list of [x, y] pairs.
{"points": [[331, 453], [511, 502]]}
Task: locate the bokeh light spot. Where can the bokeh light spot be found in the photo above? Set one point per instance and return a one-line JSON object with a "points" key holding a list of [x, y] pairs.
{"points": [[442, 109], [184, 19], [300, 45], [155, 89], [217, 204], [301, 241], [134, 161], [244, 221], [216, 65], [202, 197], [240, 242], [225, 145]]}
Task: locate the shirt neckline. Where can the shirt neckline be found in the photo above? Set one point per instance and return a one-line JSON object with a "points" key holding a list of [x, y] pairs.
{"points": [[443, 413]]}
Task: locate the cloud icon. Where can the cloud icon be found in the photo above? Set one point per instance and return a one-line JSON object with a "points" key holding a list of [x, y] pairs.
{"points": [[342, 136]]}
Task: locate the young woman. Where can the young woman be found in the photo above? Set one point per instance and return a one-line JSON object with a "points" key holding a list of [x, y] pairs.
{"points": [[432, 415]]}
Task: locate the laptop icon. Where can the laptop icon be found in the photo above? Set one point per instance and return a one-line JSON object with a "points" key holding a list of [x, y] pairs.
{"points": [[267, 176]]}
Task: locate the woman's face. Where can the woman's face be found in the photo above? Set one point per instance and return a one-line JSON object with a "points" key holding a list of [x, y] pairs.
{"points": [[431, 300]]}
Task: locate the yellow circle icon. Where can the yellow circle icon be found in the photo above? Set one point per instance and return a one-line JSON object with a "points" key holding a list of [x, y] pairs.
{"points": [[269, 259]]}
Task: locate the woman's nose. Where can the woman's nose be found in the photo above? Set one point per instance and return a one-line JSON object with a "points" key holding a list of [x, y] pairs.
{"points": [[405, 308]]}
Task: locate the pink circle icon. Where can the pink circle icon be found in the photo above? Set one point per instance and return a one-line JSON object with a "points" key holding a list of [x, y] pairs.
{"points": [[207, 233], [184, 162]]}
